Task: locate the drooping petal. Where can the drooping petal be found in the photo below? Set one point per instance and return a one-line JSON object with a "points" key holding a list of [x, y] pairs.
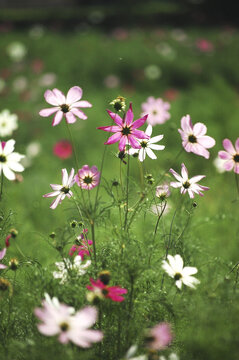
{"points": [[48, 112], [56, 202], [57, 118], [122, 143], [228, 166], [78, 113], [70, 118], [8, 173], [73, 95]]}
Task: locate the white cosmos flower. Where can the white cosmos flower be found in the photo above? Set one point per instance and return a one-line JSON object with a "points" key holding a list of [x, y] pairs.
{"points": [[54, 302], [66, 266], [63, 190], [147, 145], [16, 50], [182, 275], [8, 123], [9, 160]]}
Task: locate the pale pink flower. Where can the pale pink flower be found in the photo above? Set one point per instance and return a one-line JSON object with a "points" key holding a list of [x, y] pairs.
{"points": [[162, 192], [67, 106], [160, 336], [231, 155], [157, 111], [125, 131], [59, 320], [186, 184], [87, 178], [63, 190], [194, 138], [2, 254]]}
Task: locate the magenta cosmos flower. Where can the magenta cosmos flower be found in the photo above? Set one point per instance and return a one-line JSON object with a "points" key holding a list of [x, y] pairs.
{"points": [[82, 250], [160, 336], [67, 106], [194, 138], [157, 111], [231, 155], [59, 319], [63, 149], [63, 190], [186, 184], [125, 131], [87, 178], [2, 254], [102, 290]]}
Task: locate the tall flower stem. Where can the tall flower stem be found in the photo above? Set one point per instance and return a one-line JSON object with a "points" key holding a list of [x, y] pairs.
{"points": [[92, 225], [127, 194], [237, 183], [1, 191], [73, 145]]}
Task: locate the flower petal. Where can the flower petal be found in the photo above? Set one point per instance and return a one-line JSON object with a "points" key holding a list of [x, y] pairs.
{"points": [[73, 95], [48, 112], [57, 118], [229, 147], [78, 113]]}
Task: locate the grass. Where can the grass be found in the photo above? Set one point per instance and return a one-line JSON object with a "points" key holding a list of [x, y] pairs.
{"points": [[204, 321]]}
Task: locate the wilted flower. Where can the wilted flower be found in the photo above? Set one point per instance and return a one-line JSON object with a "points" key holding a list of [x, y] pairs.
{"points": [[61, 191], [2, 254], [157, 111], [59, 320], [148, 145], [125, 131], [101, 291], [186, 184], [66, 266], [182, 275], [9, 160], [63, 149], [65, 106], [194, 138], [16, 50], [87, 178], [162, 192], [159, 337], [231, 155], [8, 123]]}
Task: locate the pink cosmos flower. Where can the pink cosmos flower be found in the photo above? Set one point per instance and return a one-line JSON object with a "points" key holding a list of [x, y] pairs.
{"points": [[125, 131], [88, 178], [186, 184], [67, 106], [162, 192], [204, 45], [58, 319], [104, 291], [2, 254], [231, 155], [194, 138], [63, 190], [63, 149], [161, 336], [82, 250], [157, 111]]}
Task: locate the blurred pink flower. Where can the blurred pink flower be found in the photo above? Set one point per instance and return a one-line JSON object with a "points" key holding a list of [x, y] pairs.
{"points": [[104, 291], [82, 250], [204, 45], [87, 178], [2, 254], [61, 191], [125, 130], [111, 81], [63, 149], [157, 111], [231, 155], [161, 336], [186, 184], [58, 319], [194, 138], [65, 106]]}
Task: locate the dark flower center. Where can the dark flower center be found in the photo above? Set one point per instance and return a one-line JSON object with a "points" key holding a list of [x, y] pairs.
{"points": [[126, 131], [154, 112], [186, 185], [192, 139], [143, 144], [64, 108], [88, 179], [3, 158], [64, 326], [65, 190], [177, 276], [105, 292], [235, 158]]}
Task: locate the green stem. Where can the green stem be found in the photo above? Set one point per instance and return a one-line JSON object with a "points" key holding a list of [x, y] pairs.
{"points": [[237, 183], [127, 194], [1, 191], [73, 145]]}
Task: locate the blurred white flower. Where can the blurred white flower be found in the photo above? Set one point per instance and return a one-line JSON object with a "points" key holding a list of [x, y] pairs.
{"points": [[36, 32], [32, 150], [179, 35], [66, 266], [19, 84], [16, 51], [131, 352], [219, 165], [8, 123], [166, 50], [152, 72], [172, 356], [47, 79]]}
